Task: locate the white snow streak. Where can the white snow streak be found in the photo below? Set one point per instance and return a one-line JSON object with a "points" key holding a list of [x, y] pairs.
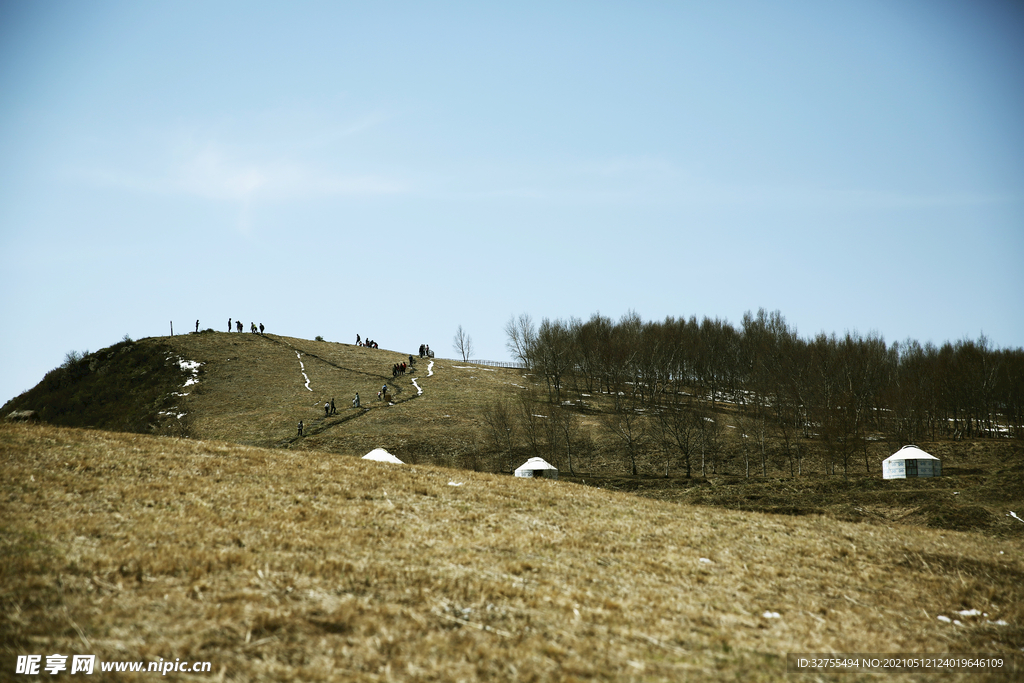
{"points": [[190, 366], [430, 371], [302, 369]]}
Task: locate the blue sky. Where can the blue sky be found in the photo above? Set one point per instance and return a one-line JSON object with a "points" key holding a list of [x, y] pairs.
{"points": [[333, 169]]}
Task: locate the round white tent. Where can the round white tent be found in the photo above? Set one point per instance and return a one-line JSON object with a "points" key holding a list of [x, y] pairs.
{"points": [[909, 462], [381, 455], [537, 467]]}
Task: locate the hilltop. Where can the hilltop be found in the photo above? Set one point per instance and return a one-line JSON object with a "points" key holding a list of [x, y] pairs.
{"points": [[306, 565], [252, 390]]}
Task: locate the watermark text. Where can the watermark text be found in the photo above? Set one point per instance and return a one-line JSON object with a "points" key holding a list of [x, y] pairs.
{"points": [[33, 665]]}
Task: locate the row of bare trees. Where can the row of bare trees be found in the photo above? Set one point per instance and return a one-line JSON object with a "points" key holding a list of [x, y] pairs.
{"points": [[841, 391], [521, 425], [679, 436]]}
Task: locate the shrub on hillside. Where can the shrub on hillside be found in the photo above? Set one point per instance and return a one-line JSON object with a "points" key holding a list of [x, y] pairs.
{"points": [[71, 358], [121, 388]]}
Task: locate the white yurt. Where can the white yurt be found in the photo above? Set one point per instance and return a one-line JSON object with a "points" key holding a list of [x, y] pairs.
{"points": [[381, 455], [537, 467], [909, 462]]}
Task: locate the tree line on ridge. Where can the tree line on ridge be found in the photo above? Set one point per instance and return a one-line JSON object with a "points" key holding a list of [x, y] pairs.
{"points": [[668, 379]]}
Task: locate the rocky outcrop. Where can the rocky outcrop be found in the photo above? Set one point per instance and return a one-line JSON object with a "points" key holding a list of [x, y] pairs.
{"points": [[23, 416]]}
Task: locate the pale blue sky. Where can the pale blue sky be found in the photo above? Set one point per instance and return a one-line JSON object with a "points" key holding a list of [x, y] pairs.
{"points": [[332, 169]]}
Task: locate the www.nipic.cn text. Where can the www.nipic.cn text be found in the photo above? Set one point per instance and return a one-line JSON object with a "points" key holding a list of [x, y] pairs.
{"points": [[87, 664]]}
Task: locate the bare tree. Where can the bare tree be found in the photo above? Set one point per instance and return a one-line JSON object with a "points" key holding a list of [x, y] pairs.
{"points": [[787, 430], [679, 433], [630, 425], [499, 421], [522, 338], [753, 430], [531, 422], [566, 425], [710, 437], [463, 344], [552, 355]]}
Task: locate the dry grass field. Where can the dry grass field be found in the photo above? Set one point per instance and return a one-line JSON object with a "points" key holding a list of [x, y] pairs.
{"points": [[297, 564]]}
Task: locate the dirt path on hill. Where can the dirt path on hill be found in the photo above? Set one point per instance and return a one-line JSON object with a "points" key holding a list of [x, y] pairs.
{"points": [[320, 425], [324, 360]]}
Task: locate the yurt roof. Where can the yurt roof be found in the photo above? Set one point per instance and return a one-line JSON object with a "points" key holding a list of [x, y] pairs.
{"points": [[910, 453], [536, 464], [381, 455]]}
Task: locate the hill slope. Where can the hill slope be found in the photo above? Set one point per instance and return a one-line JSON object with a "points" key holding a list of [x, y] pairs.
{"points": [[254, 389], [123, 387], [308, 566]]}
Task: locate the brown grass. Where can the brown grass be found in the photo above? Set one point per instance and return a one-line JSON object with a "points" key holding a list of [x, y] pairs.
{"points": [[305, 565], [252, 392]]}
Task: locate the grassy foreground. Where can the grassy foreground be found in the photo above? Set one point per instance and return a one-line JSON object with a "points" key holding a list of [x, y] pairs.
{"points": [[294, 565]]}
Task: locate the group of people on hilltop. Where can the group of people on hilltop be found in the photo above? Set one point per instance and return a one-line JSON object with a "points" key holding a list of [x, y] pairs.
{"points": [[238, 326], [369, 343], [425, 351]]}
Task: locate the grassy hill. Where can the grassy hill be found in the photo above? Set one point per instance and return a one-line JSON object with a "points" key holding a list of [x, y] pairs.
{"points": [[253, 390], [123, 387], [298, 564]]}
